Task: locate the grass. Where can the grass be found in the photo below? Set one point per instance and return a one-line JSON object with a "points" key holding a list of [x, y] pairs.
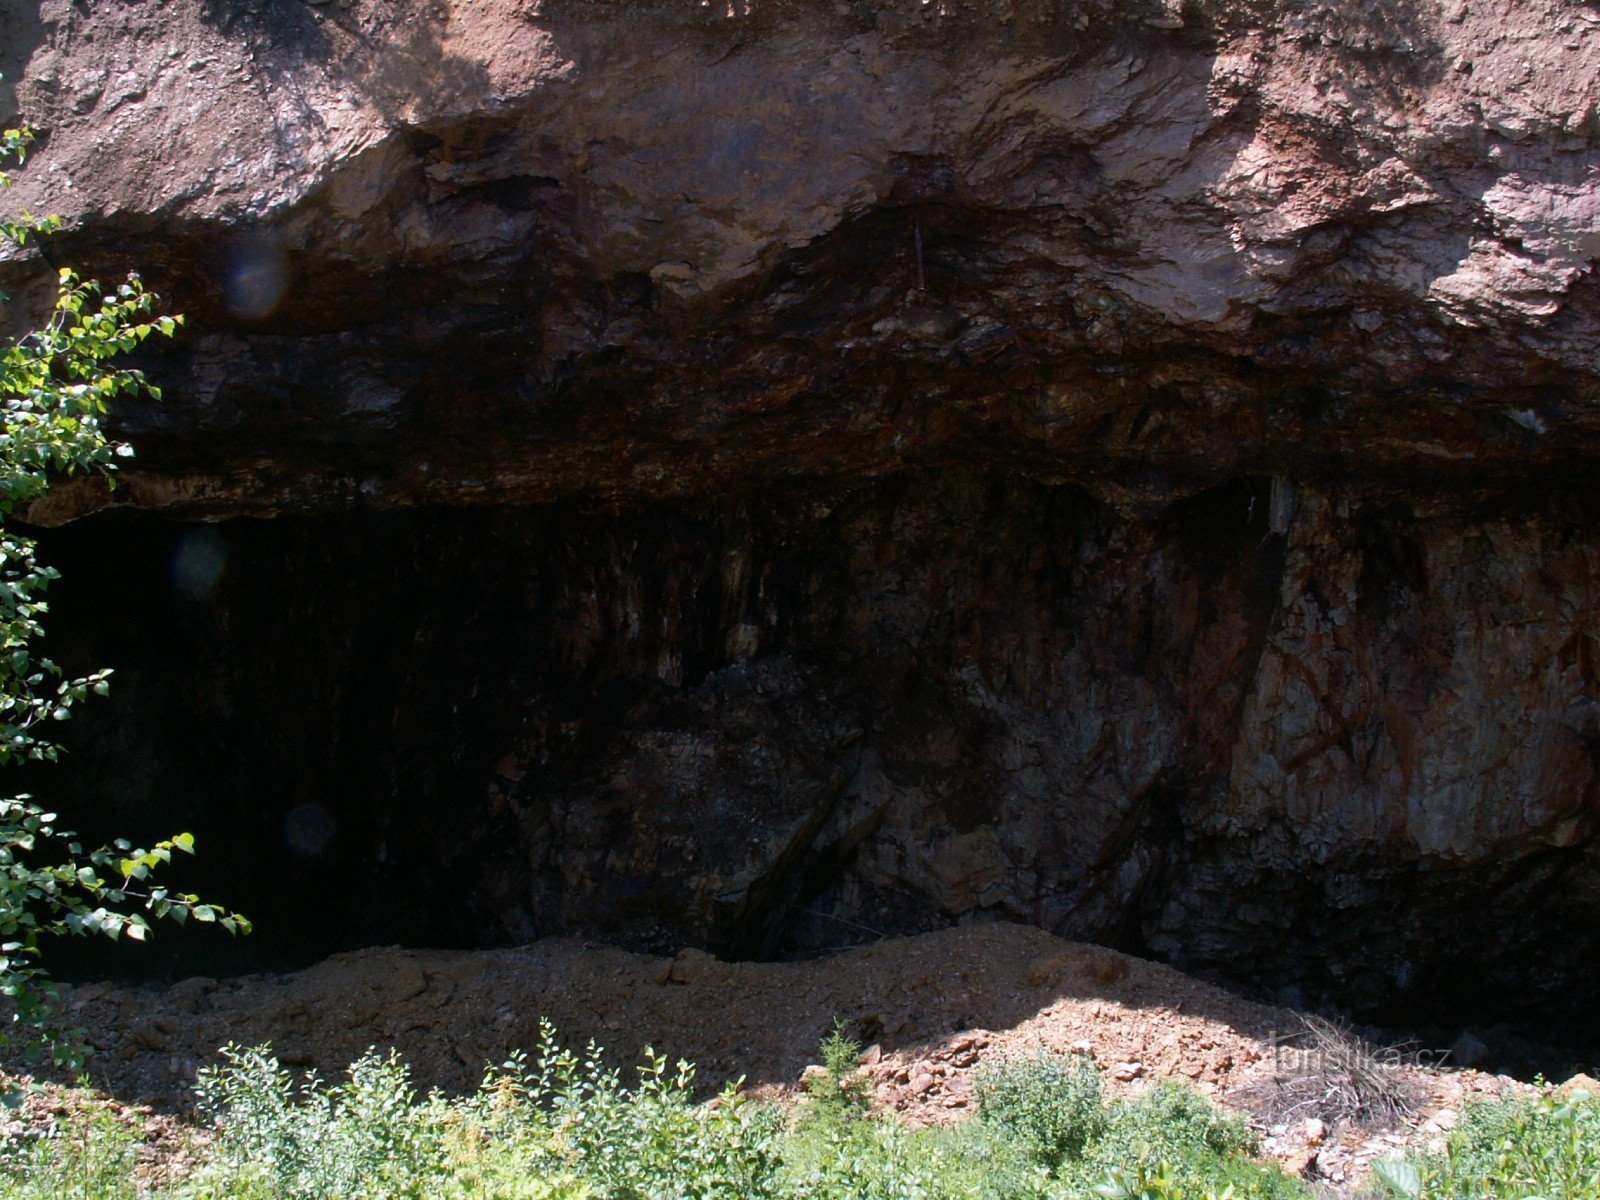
{"points": [[558, 1125], [1532, 1148], [90, 1156]]}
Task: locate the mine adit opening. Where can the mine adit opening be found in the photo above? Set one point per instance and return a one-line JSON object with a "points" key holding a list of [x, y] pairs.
{"points": [[777, 725]]}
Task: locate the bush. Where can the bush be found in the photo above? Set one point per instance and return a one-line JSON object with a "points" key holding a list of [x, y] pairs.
{"points": [[365, 1137], [1168, 1143], [1043, 1132], [1051, 1108], [883, 1159], [839, 1088], [1545, 1147], [558, 1125], [652, 1139], [1175, 1137]]}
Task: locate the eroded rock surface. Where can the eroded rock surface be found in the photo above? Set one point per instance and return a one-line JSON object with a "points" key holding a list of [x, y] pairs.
{"points": [[1113, 466], [1357, 755], [495, 249]]}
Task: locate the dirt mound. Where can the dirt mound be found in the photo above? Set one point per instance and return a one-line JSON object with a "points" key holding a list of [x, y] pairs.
{"points": [[930, 1010], [450, 1013]]}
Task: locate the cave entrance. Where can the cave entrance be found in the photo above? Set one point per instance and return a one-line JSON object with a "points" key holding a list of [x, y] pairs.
{"points": [[342, 708], [778, 726]]}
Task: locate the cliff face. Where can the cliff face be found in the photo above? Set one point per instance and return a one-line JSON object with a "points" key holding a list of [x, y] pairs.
{"points": [[1118, 466], [511, 250]]}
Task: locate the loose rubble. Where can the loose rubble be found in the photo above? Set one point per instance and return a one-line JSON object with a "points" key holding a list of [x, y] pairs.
{"points": [[931, 1012]]}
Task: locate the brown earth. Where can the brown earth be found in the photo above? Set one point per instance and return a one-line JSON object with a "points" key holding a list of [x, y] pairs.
{"points": [[932, 1010]]}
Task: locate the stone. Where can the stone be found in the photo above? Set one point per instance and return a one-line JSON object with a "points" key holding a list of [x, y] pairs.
{"points": [[690, 964], [148, 1037], [190, 995], [408, 980], [183, 1067], [1301, 1163]]}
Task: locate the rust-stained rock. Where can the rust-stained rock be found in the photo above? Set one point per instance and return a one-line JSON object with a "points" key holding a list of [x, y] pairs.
{"points": [[469, 250]]}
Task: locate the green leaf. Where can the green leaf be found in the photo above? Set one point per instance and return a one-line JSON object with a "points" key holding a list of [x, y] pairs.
{"points": [[1401, 1178]]}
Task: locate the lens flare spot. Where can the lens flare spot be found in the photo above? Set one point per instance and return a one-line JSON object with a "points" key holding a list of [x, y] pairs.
{"points": [[198, 563], [308, 829], [257, 279]]}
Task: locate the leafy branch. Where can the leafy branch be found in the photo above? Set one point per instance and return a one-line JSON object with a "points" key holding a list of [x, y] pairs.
{"points": [[56, 384]]}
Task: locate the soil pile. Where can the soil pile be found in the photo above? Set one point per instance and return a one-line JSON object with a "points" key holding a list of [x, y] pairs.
{"points": [[930, 1010]]}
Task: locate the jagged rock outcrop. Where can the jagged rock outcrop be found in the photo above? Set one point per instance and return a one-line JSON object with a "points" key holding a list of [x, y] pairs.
{"points": [[512, 250], [1119, 466]]}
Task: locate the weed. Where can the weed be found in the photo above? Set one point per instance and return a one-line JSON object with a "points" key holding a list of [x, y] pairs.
{"points": [[557, 1124], [1534, 1147], [1050, 1107], [88, 1155]]}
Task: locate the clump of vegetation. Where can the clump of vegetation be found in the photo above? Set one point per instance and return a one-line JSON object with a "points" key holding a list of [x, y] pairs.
{"points": [[558, 1125], [1169, 1138], [1531, 1148], [55, 386], [839, 1087], [1052, 1108], [89, 1155], [1329, 1072]]}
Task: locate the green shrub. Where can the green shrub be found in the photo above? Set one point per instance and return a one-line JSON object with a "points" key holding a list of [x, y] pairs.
{"points": [[1168, 1143], [653, 1139], [1051, 1108], [1173, 1135], [1147, 1183], [840, 1088], [1545, 1147], [559, 1125], [308, 1141], [555, 1125], [55, 385], [881, 1158], [839, 1149]]}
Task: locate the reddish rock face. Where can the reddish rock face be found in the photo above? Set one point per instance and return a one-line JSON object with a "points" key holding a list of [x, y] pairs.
{"points": [[1119, 466], [482, 250]]}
